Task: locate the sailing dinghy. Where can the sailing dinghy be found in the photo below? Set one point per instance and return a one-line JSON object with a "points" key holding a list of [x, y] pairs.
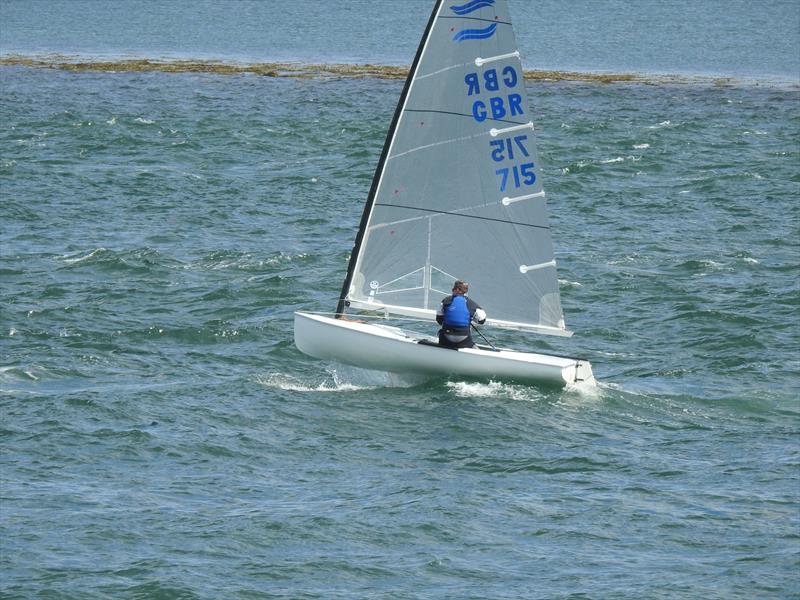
{"points": [[456, 195]]}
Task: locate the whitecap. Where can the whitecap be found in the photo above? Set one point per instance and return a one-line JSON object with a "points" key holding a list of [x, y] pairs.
{"points": [[293, 384], [92, 254], [144, 121], [590, 389], [30, 374], [641, 146], [15, 373], [493, 389], [612, 160], [567, 283]]}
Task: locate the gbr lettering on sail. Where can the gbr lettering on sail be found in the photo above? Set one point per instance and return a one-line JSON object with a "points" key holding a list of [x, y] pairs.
{"points": [[501, 103]]}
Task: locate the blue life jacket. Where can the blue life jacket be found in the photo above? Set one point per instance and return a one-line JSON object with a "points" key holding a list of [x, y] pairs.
{"points": [[456, 313]]}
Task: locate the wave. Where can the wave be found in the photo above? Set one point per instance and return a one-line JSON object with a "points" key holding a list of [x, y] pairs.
{"points": [[341, 378], [294, 384], [571, 394], [14, 373], [144, 259], [494, 389]]}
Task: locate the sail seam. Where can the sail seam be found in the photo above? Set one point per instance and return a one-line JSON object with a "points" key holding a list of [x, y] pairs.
{"points": [[457, 114], [461, 139], [474, 19], [450, 68], [455, 214]]}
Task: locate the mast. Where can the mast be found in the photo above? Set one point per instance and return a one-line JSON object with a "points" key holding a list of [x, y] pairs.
{"points": [[348, 280]]}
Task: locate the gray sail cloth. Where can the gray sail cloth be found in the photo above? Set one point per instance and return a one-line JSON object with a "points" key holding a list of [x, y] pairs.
{"points": [[459, 194]]}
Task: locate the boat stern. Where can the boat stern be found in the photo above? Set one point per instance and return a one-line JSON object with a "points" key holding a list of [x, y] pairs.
{"points": [[579, 372]]}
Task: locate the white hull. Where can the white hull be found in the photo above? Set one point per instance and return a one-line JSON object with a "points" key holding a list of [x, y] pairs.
{"points": [[384, 348]]}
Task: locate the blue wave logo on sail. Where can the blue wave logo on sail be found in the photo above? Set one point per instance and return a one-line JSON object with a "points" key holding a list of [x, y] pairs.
{"points": [[469, 7], [475, 34]]}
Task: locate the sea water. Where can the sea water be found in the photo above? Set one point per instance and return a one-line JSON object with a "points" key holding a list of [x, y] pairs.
{"points": [[161, 436]]}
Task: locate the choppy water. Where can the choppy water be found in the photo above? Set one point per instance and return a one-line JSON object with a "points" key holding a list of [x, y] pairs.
{"points": [[161, 436]]}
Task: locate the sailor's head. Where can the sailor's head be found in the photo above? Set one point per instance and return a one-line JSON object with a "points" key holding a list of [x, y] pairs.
{"points": [[460, 287]]}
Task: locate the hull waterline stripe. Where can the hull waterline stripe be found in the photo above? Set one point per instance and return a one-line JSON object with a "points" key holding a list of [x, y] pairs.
{"points": [[506, 201], [479, 62], [495, 132]]}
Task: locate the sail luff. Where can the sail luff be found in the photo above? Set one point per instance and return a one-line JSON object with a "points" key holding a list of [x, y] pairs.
{"points": [[362, 228]]}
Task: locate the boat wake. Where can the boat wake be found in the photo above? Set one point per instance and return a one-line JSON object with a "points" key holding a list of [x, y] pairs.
{"points": [[342, 378], [293, 384], [582, 391], [494, 389], [589, 390]]}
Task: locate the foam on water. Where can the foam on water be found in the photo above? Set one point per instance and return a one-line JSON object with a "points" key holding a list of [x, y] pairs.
{"points": [[494, 389], [342, 378], [295, 384]]}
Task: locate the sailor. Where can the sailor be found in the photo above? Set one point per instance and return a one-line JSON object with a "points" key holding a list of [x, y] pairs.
{"points": [[455, 315]]}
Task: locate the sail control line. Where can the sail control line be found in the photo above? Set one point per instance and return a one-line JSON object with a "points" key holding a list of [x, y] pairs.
{"points": [[480, 333]]}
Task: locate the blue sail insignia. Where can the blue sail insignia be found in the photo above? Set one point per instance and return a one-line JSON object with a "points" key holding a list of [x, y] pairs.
{"points": [[475, 34], [472, 6]]}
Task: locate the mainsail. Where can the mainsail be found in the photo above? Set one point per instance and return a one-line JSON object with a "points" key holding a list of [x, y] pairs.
{"points": [[457, 192]]}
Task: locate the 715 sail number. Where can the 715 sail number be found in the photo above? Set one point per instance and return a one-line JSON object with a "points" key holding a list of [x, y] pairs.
{"points": [[507, 149]]}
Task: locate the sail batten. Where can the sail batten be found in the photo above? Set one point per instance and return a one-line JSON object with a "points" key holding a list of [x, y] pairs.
{"points": [[446, 201], [508, 200], [479, 62], [495, 132]]}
